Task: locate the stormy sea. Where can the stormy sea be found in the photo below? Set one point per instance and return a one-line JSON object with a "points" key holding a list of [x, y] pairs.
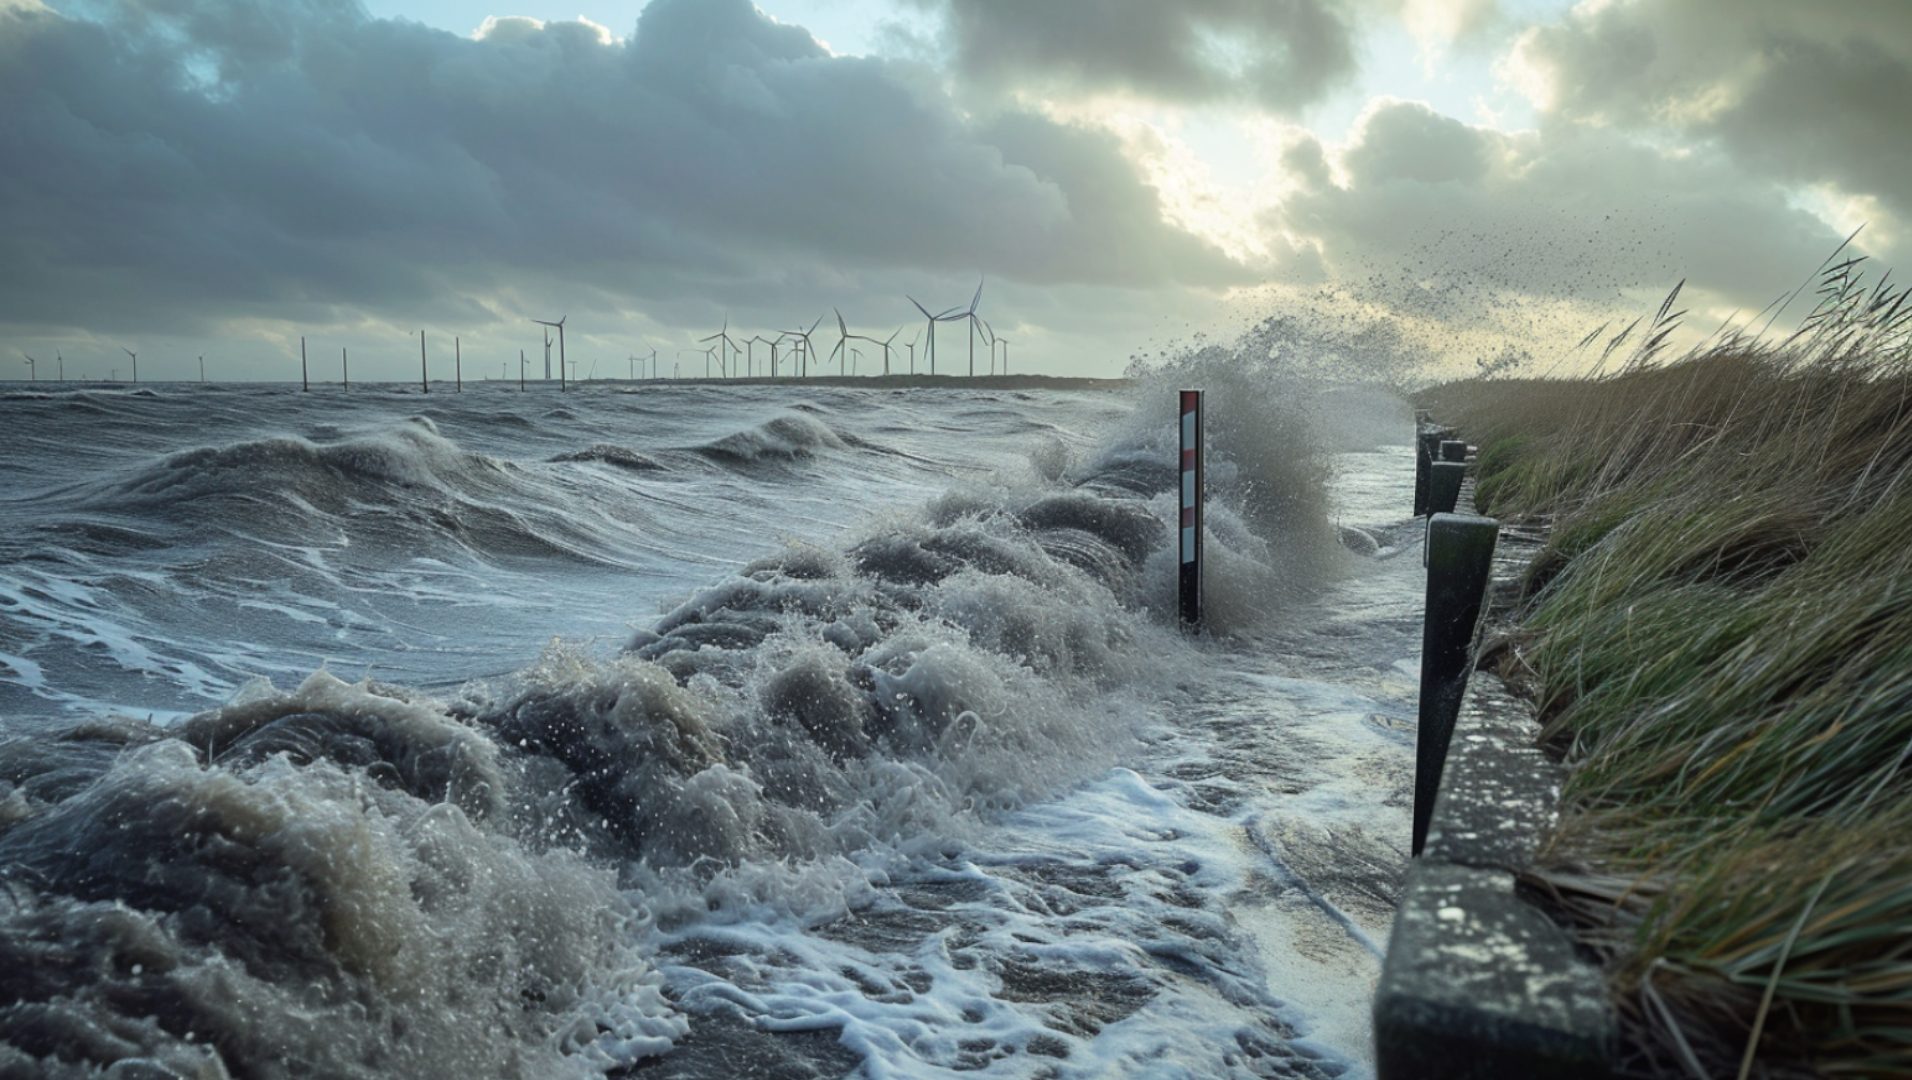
{"points": [[698, 731]]}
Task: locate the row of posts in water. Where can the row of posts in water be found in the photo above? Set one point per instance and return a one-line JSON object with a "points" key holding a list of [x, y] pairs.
{"points": [[1459, 554]]}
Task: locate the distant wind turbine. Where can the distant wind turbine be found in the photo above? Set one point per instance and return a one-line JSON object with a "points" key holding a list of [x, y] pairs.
{"points": [[885, 344], [560, 325], [722, 338], [843, 339], [974, 325], [912, 348], [33, 369], [424, 372], [305, 378], [135, 357], [930, 321], [61, 360]]}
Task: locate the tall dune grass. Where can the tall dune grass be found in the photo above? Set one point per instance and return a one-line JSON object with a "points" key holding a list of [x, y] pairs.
{"points": [[1719, 638]]}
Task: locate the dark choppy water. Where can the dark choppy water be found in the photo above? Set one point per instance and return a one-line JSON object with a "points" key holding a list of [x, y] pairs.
{"points": [[866, 746]]}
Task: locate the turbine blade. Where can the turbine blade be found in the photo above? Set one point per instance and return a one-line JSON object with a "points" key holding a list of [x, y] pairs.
{"points": [[979, 295], [919, 307]]}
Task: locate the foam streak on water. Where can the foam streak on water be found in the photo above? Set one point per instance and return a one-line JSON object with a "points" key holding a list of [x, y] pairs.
{"points": [[869, 745]]}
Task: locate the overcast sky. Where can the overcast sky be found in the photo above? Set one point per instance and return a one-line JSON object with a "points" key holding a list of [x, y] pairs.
{"points": [[1447, 178]]}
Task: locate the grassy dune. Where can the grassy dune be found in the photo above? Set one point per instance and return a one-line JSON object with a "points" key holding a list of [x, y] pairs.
{"points": [[1719, 639]]}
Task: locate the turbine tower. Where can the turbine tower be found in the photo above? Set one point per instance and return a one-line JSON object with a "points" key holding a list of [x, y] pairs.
{"points": [[562, 385], [33, 369], [135, 357]]}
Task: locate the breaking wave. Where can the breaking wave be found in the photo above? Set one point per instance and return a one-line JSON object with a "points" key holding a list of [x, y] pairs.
{"points": [[787, 437]]}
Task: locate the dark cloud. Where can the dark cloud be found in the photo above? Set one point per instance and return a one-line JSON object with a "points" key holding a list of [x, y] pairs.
{"points": [[173, 162], [1803, 93], [1279, 54]]}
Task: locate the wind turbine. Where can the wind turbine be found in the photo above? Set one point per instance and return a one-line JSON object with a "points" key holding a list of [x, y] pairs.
{"points": [[774, 342], [912, 348], [345, 367], [843, 339], [886, 343], [929, 347], [722, 338], [458, 365], [974, 325], [547, 355], [305, 377], [520, 371], [135, 357], [61, 360], [424, 373], [33, 369], [202, 369], [653, 361], [805, 345], [547, 370]]}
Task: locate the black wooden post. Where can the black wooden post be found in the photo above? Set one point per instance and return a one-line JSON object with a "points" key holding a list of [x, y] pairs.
{"points": [[1460, 553]]}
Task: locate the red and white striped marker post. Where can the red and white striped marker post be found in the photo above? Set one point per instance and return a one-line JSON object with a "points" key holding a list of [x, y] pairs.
{"points": [[1191, 534]]}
